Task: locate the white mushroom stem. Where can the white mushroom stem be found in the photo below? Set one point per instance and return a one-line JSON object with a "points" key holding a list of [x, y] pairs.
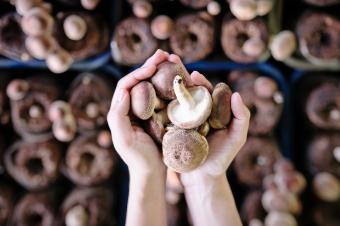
{"points": [[334, 114], [182, 94], [214, 8], [77, 216], [278, 97], [92, 110], [35, 111], [336, 153]]}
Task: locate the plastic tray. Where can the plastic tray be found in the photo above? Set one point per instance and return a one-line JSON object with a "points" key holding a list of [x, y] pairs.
{"points": [[90, 63], [119, 182]]}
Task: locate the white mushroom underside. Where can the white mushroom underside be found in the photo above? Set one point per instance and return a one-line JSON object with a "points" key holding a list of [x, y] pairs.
{"points": [[191, 117]]}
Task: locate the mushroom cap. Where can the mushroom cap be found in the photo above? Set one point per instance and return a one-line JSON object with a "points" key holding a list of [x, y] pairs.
{"points": [[162, 26], [38, 47], [17, 89], [184, 150], [254, 47], [155, 126], [89, 4], [264, 7], [75, 27], [59, 61], [143, 100], [164, 77], [214, 8], [37, 22], [76, 216], [243, 9], [189, 118], [22, 6], [283, 45], [326, 187], [221, 106], [265, 87], [142, 9], [280, 218]]}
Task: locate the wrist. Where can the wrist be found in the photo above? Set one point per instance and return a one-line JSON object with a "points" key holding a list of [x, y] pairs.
{"points": [[147, 176], [192, 180]]}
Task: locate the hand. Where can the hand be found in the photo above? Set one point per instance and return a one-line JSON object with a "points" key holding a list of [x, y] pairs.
{"points": [[135, 147], [223, 144]]}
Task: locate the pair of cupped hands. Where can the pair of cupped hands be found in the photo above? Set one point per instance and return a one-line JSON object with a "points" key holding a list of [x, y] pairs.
{"points": [[141, 154]]}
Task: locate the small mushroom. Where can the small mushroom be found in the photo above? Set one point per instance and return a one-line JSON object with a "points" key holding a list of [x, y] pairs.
{"points": [[283, 45], [265, 87], [155, 126], [23, 6], [275, 200], [90, 4], [254, 47], [65, 130], [336, 154], [37, 22], [214, 8], [142, 9], [161, 27], [326, 187], [204, 129], [184, 150], [164, 77], [17, 89], [92, 110], [264, 7], [192, 106], [59, 61], [75, 27], [221, 106], [144, 100], [104, 139], [275, 218], [76, 216], [35, 111], [39, 47], [293, 182], [255, 222], [58, 110], [243, 9]]}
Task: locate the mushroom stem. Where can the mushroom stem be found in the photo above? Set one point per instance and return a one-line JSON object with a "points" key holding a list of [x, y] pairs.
{"points": [[182, 94]]}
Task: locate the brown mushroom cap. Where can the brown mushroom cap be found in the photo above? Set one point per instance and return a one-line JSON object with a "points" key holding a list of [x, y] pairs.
{"points": [[38, 47], [142, 8], [75, 27], [143, 100], [37, 22], [162, 26], [59, 61], [184, 150], [164, 77], [192, 106], [155, 126], [221, 108]]}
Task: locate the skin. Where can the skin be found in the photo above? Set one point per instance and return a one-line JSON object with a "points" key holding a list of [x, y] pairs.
{"points": [[207, 190]]}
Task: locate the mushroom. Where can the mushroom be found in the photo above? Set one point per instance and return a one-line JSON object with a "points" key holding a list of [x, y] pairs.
{"points": [[23, 6], [173, 188], [326, 187], [89, 4], [59, 61], [255, 222], [75, 27], [104, 139], [164, 77], [264, 7], [275, 200], [214, 8], [283, 45], [142, 9], [65, 129], [162, 26], [76, 216], [293, 182], [184, 150], [204, 129], [17, 89], [280, 218], [39, 47], [37, 22], [243, 9], [58, 109], [265, 87], [192, 106], [254, 47], [221, 106], [155, 126], [144, 100]]}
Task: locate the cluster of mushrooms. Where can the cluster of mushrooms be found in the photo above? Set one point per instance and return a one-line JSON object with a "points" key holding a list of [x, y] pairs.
{"points": [[37, 23], [180, 117]]}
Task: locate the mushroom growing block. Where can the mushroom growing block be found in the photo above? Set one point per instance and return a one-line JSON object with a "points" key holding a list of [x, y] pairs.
{"points": [[184, 150], [192, 106]]}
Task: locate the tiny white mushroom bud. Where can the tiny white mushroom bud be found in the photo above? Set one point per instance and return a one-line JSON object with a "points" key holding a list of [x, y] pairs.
{"points": [[142, 9], [264, 7], [17, 89], [35, 111], [75, 27], [254, 47], [77, 216], [89, 4], [334, 114], [59, 61], [92, 110], [283, 45], [161, 27], [214, 8]]}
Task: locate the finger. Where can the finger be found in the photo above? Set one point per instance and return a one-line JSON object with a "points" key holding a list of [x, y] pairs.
{"points": [[131, 80], [118, 119], [158, 57], [199, 80], [240, 123], [175, 59]]}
